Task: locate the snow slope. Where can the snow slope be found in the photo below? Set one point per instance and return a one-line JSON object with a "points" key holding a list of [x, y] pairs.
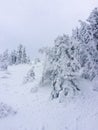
{"points": [[35, 111]]}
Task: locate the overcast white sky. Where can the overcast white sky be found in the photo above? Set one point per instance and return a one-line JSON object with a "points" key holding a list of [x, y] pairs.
{"points": [[37, 23]]}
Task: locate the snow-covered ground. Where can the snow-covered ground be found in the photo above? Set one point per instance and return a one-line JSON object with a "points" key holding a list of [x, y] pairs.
{"points": [[28, 106]]}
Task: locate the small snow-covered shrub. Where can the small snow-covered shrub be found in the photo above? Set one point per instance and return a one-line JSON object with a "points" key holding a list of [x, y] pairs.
{"points": [[3, 66], [6, 110], [37, 60], [30, 76]]}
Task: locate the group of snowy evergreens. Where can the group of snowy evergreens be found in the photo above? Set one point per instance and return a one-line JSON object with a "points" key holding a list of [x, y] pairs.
{"points": [[72, 57], [18, 56]]}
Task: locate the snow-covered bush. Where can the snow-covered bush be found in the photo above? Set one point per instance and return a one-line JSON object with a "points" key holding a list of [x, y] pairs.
{"points": [[30, 76], [3, 66], [6, 110]]}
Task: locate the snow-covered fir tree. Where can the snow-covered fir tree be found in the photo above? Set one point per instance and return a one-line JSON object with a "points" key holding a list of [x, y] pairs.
{"points": [[93, 20], [13, 57], [4, 60], [61, 66], [87, 49], [19, 54], [24, 56]]}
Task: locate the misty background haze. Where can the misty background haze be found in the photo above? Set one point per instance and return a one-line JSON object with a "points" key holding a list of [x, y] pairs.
{"points": [[36, 23]]}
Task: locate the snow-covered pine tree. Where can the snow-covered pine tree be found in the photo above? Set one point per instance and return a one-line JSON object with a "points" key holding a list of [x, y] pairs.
{"points": [[93, 20], [5, 57], [83, 36], [87, 48], [19, 54], [4, 60], [24, 55], [61, 66], [13, 57]]}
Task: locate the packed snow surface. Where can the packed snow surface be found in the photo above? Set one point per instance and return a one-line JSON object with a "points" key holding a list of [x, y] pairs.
{"points": [[29, 106]]}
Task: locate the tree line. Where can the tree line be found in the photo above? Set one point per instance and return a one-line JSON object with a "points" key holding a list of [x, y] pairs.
{"points": [[15, 57]]}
